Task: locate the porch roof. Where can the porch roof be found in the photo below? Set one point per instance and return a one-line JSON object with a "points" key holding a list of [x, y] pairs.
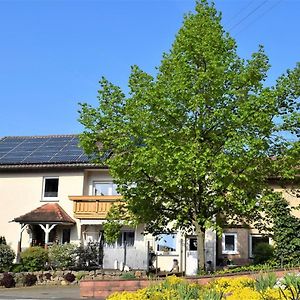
{"points": [[47, 213]]}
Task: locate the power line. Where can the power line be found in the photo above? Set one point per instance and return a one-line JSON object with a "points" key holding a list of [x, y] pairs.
{"points": [[240, 11], [259, 17], [248, 15]]}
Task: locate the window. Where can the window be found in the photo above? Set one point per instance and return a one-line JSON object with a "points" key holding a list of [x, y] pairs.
{"points": [[254, 240], [50, 189], [125, 238], [166, 242], [229, 243], [66, 235], [192, 244], [104, 189]]}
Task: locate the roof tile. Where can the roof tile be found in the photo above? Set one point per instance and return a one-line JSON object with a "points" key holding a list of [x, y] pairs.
{"points": [[47, 213]]}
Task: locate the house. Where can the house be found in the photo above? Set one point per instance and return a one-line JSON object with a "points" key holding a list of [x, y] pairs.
{"points": [[51, 193]]}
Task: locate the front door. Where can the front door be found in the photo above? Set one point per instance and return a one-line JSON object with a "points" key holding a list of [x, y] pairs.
{"points": [[191, 256]]}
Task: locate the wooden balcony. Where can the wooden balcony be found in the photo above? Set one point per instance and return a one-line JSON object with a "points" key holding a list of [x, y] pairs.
{"points": [[93, 207]]}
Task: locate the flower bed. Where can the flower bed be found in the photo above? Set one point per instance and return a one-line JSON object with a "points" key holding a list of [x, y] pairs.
{"points": [[264, 287]]}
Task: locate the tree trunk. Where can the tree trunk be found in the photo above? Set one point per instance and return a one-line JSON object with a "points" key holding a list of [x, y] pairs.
{"points": [[200, 232]]}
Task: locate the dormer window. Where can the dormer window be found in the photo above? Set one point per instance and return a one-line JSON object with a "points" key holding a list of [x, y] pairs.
{"points": [[50, 188]]}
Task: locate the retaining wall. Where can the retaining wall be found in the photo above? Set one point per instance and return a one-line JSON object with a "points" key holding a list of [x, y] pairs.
{"points": [[100, 289]]}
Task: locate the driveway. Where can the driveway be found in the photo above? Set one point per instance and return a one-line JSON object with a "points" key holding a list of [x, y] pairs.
{"points": [[41, 292]]}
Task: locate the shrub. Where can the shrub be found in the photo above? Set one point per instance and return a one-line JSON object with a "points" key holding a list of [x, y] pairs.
{"points": [[7, 255], [29, 280], [34, 258], [262, 253], [62, 256], [89, 256], [286, 232], [17, 268], [8, 281], [69, 277]]}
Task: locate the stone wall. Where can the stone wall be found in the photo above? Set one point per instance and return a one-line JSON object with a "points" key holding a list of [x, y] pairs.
{"points": [[57, 277]]}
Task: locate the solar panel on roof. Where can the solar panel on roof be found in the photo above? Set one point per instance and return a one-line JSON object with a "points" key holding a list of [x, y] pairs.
{"points": [[61, 138], [6, 149], [18, 150], [72, 152], [9, 161], [45, 152], [36, 159], [13, 154]]}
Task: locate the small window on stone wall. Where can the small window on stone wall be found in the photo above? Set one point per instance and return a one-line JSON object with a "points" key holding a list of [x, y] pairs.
{"points": [[254, 240]]}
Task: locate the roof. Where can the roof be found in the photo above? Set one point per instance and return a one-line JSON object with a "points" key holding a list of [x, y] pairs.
{"points": [[47, 213], [42, 151]]}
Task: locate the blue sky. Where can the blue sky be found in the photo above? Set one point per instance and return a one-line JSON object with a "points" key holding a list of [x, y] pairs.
{"points": [[53, 53]]}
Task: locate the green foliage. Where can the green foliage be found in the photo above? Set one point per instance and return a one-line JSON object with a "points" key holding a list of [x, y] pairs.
{"points": [[263, 282], [286, 232], [62, 256], [128, 275], [80, 275], [270, 266], [89, 256], [17, 268], [2, 240], [195, 141], [211, 295], [177, 288], [34, 258], [7, 255], [262, 253], [113, 225], [291, 284]]}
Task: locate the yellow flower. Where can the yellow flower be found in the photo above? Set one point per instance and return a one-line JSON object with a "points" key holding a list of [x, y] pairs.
{"points": [[228, 285], [174, 280], [245, 293]]}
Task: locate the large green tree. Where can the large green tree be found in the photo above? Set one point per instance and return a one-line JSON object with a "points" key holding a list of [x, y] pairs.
{"points": [[200, 138]]}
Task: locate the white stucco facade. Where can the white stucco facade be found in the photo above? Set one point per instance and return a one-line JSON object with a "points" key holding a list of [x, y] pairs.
{"points": [[21, 191]]}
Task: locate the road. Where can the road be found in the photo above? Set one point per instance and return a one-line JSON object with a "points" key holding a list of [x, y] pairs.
{"points": [[41, 292]]}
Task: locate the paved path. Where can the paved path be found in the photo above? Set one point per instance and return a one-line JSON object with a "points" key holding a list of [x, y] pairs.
{"points": [[41, 292]]}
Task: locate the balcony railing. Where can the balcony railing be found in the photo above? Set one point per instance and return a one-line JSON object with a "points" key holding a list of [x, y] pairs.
{"points": [[93, 207]]}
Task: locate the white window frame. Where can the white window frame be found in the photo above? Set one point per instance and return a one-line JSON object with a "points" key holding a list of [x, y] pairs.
{"points": [[235, 251], [43, 191], [250, 243], [103, 182]]}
